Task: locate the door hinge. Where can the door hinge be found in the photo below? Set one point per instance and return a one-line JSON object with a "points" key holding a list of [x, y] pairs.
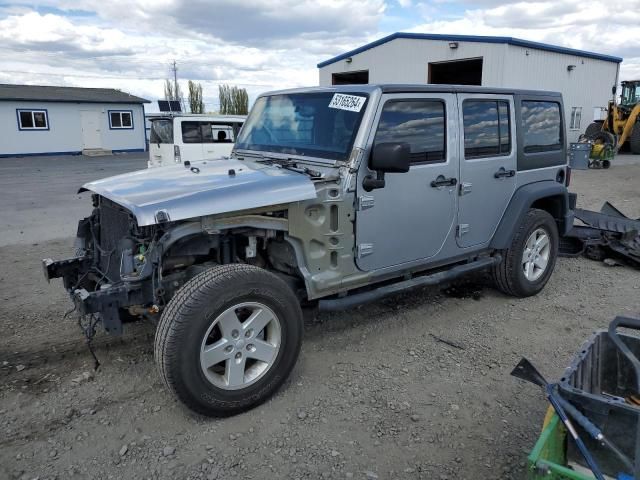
{"points": [[465, 187], [462, 229], [365, 249], [365, 202]]}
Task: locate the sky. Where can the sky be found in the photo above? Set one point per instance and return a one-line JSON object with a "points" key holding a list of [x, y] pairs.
{"points": [[265, 45]]}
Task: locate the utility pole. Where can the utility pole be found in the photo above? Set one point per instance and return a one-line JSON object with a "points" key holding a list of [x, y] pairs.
{"points": [[174, 67], [175, 77]]}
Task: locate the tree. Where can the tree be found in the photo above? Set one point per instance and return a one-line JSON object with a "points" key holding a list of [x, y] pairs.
{"points": [[172, 91], [195, 97], [233, 100]]}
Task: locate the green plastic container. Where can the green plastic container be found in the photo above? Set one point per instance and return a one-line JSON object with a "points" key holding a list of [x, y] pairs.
{"points": [[548, 458]]}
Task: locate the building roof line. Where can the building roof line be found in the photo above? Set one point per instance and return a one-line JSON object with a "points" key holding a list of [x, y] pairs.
{"points": [[47, 93], [472, 38]]}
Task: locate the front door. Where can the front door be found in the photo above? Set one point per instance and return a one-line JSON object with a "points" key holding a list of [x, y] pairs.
{"points": [[410, 218], [487, 165], [91, 131]]}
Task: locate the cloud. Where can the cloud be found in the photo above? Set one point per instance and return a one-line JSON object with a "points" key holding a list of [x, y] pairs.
{"points": [[249, 22], [269, 44], [584, 25], [258, 44]]}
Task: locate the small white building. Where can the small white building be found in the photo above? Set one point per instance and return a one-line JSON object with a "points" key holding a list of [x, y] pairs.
{"points": [[585, 79], [44, 120]]}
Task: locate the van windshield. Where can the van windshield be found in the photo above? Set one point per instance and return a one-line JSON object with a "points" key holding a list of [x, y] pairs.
{"points": [[161, 131], [314, 124]]}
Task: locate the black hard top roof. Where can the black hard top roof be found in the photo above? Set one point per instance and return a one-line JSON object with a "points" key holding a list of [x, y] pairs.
{"points": [[419, 88]]}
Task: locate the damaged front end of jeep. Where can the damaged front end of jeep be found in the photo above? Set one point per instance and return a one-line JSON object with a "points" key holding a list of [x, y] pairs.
{"points": [[118, 273], [151, 232]]}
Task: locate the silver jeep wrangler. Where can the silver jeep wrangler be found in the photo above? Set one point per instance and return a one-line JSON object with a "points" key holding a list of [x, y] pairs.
{"points": [[333, 197]]}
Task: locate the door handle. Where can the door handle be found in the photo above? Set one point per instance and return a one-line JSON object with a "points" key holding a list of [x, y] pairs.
{"points": [[441, 181], [502, 173]]}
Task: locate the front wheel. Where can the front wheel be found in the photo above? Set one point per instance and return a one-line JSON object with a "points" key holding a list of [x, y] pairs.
{"points": [[228, 339], [528, 263]]}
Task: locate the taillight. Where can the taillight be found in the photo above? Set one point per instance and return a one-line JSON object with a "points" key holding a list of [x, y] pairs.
{"points": [[176, 153], [567, 178]]}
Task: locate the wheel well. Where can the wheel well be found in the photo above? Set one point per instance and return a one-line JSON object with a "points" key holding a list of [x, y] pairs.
{"points": [[554, 205]]}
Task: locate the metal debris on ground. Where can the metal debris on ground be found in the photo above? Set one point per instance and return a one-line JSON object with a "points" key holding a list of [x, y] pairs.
{"points": [[608, 234], [447, 342]]}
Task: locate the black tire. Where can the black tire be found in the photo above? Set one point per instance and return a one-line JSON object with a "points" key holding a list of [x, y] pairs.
{"points": [[508, 275], [593, 129], [606, 164], [634, 139], [188, 317]]}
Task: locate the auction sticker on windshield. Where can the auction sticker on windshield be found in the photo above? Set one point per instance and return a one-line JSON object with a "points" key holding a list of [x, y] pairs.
{"points": [[353, 103]]}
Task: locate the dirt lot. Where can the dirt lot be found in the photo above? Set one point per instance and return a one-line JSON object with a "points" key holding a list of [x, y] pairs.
{"points": [[374, 393]]}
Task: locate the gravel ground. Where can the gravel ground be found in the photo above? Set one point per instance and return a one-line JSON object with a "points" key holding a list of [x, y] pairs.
{"points": [[375, 393]]}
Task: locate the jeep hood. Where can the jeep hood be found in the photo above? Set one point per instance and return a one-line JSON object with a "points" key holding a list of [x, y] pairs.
{"points": [[205, 188]]}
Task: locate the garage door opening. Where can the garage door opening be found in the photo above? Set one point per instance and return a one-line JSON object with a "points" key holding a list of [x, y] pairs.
{"points": [[458, 72], [350, 78]]}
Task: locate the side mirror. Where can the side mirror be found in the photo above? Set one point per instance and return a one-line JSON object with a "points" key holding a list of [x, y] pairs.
{"points": [[391, 157], [387, 158]]}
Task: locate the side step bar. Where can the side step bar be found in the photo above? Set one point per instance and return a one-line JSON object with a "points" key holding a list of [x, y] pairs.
{"points": [[346, 302]]}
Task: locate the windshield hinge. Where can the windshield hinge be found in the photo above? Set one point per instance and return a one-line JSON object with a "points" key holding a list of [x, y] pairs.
{"points": [[365, 202]]}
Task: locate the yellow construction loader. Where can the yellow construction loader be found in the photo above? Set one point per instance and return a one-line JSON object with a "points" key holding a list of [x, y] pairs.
{"points": [[621, 125]]}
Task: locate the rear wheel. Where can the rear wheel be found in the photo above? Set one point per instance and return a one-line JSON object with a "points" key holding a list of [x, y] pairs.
{"points": [[228, 339], [592, 129], [528, 263], [634, 139]]}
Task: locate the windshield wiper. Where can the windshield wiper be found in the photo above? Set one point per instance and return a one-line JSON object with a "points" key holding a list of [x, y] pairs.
{"points": [[290, 164], [301, 169], [287, 163]]}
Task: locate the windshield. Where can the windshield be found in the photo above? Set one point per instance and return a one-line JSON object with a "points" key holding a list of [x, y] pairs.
{"points": [[630, 93], [314, 124], [161, 131]]}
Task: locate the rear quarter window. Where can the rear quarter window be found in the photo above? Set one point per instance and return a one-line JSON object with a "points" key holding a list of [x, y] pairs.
{"points": [[541, 126]]}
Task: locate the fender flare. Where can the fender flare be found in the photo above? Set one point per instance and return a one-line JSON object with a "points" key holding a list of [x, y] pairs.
{"points": [[521, 202]]}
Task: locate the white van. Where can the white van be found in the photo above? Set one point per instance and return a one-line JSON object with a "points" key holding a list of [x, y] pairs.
{"points": [[177, 138]]}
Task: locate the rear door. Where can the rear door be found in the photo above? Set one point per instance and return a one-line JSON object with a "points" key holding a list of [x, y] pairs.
{"points": [[487, 165], [409, 219], [161, 142]]}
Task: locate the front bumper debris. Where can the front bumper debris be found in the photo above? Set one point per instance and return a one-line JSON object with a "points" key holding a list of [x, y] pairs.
{"points": [[69, 270], [106, 302], [605, 234]]}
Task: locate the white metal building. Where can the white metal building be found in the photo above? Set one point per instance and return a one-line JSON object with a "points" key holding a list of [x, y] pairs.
{"points": [[585, 79], [44, 120]]}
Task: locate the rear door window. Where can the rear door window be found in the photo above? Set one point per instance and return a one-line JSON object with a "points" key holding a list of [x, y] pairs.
{"points": [[161, 131], [541, 126], [487, 131], [420, 123], [191, 132]]}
